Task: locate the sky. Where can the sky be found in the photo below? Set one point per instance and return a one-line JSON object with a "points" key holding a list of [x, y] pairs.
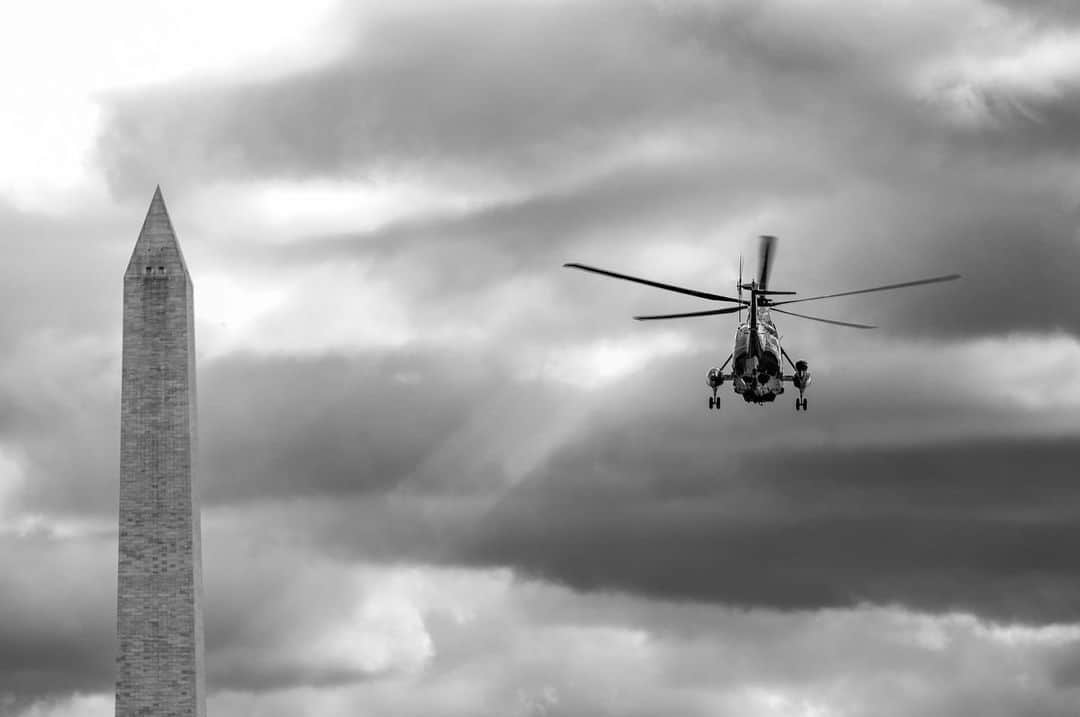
{"points": [[441, 475]]}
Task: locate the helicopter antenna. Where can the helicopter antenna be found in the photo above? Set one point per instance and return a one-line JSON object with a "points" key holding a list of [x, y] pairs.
{"points": [[740, 289]]}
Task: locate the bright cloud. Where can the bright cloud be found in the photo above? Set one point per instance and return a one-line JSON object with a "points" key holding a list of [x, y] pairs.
{"points": [[58, 58]]}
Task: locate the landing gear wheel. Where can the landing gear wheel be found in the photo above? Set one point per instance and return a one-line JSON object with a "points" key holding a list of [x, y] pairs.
{"points": [[712, 402], [798, 405]]}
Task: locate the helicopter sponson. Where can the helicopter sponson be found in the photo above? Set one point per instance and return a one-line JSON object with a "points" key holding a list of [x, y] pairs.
{"points": [[801, 378]]}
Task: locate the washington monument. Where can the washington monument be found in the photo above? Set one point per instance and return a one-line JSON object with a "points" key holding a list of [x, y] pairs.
{"points": [[159, 597]]}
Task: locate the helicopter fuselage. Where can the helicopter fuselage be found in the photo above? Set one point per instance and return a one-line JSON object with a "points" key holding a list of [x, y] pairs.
{"points": [[756, 370], [756, 358]]}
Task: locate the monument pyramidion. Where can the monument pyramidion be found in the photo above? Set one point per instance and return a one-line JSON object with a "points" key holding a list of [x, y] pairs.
{"points": [[160, 670]]}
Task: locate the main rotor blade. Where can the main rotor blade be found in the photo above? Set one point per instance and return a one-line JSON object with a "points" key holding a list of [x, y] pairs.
{"points": [[765, 251], [657, 284], [785, 353], [824, 321], [920, 282], [714, 312]]}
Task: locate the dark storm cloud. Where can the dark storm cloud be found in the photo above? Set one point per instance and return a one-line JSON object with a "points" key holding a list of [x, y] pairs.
{"points": [[1015, 247], [447, 267], [510, 90], [1026, 127], [58, 612], [818, 130], [60, 282], [537, 229], [980, 526], [73, 406], [269, 427], [332, 425], [900, 522], [520, 91], [1049, 12], [56, 616], [323, 438], [60, 273], [774, 513], [492, 86]]}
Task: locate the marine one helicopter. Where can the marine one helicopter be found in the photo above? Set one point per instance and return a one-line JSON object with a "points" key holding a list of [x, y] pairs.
{"points": [[756, 373]]}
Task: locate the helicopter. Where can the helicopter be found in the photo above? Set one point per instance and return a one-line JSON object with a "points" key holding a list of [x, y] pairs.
{"points": [[756, 370]]}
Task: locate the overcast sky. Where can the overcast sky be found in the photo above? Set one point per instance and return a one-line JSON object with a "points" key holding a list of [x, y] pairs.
{"points": [[442, 475]]}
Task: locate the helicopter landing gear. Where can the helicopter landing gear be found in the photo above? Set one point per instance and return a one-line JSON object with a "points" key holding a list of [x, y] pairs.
{"points": [[714, 400], [800, 403]]}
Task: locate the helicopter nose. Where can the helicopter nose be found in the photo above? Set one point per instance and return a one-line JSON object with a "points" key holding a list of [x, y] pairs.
{"points": [[763, 378]]}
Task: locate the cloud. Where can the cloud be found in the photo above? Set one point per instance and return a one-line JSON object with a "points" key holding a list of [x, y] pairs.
{"points": [[58, 616], [797, 515], [50, 122], [378, 424], [442, 474], [1049, 13], [503, 646], [293, 618], [701, 125], [536, 90], [490, 87], [79, 705], [293, 629], [309, 426]]}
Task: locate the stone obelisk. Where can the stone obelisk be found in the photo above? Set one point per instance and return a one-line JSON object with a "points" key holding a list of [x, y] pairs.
{"points": [[159, 597]]}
